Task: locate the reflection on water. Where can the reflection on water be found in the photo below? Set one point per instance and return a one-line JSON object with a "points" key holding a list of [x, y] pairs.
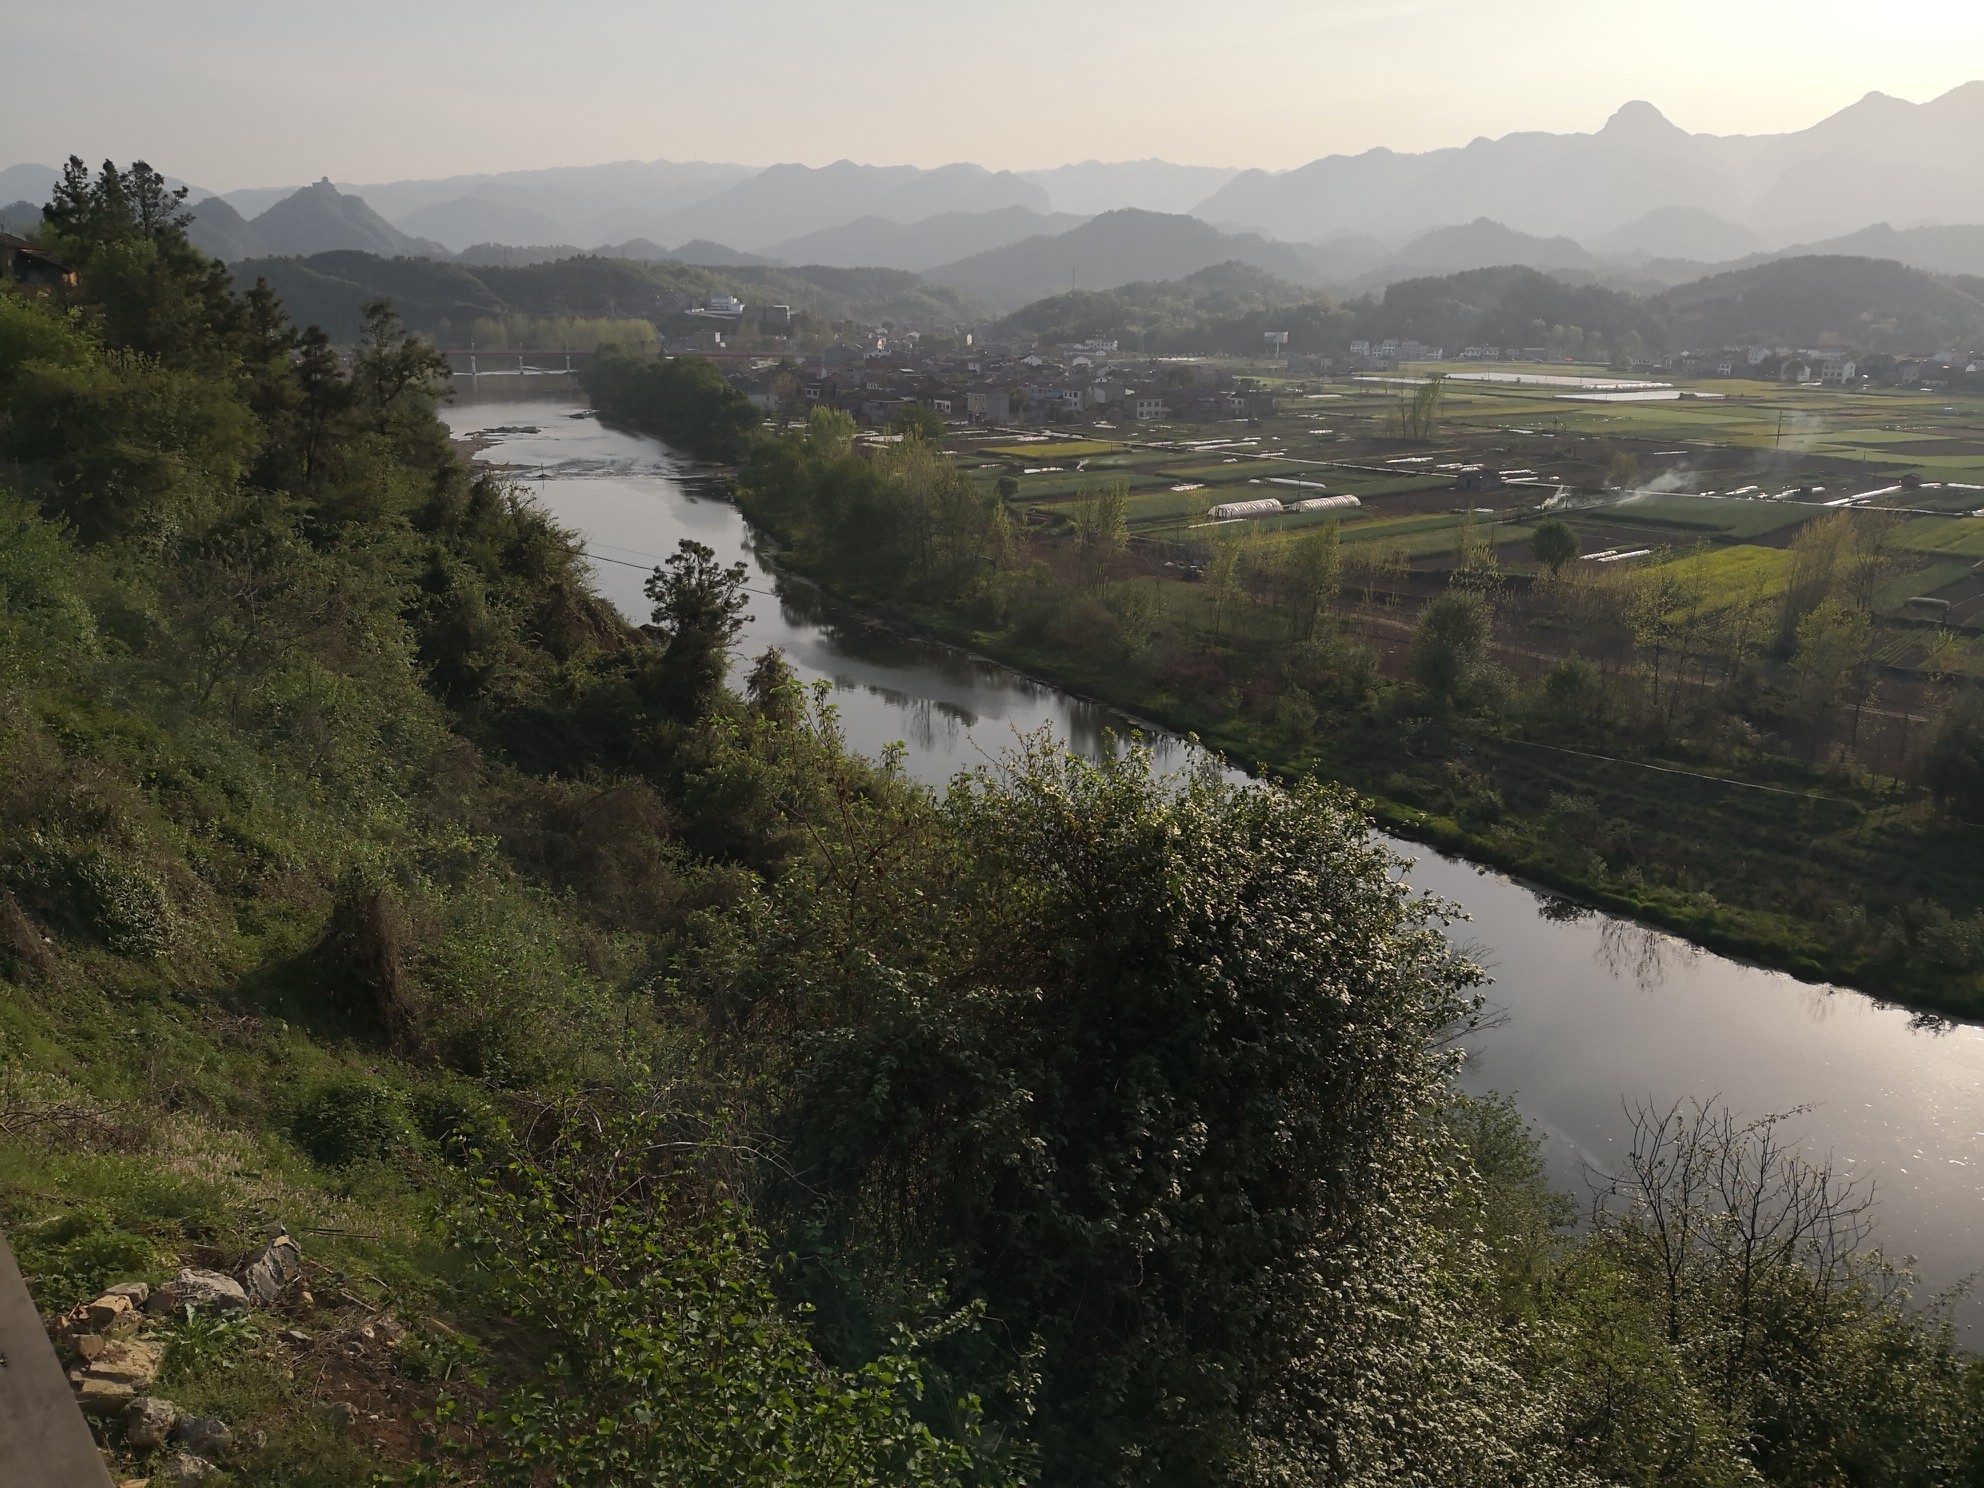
{"points": [[1595, 1011], [1641, 953]]}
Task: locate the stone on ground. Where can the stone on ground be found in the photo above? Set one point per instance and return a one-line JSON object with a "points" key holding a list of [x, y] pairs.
{"points": [[203, 1291], [148, 1422]]}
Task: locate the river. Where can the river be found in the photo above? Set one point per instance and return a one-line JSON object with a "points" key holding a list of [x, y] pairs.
{"points": [[1596, 1011]]}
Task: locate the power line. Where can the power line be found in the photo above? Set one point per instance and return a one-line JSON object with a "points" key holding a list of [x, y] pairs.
{"points": [[650, 567]]}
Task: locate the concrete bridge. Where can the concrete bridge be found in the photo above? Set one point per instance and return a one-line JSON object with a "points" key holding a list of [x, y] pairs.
{"points": [[478, 362]]}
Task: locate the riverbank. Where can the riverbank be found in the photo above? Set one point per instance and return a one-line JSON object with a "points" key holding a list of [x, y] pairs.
{"points": [[1588, 1008], [1702, 854]]}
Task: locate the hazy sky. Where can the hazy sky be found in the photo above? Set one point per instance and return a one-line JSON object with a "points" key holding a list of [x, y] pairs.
{"points": [[232, 93]]}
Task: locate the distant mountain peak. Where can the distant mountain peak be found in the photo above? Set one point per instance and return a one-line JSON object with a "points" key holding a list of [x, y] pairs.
{"points": [[1640, 119]]}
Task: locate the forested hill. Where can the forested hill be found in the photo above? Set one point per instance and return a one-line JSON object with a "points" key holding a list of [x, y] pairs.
{"points": [[443, 299], [1865, 304], [660, 1093]]}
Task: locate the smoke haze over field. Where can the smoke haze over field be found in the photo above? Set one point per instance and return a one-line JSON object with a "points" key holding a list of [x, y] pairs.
{"points": [[233, 94]]}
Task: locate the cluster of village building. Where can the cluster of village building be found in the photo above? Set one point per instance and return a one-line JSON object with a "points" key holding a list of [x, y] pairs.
{"points": [[996, 384]]}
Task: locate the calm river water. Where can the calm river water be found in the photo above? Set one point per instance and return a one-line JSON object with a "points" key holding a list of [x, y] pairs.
{"points": [[1598, 1011]]}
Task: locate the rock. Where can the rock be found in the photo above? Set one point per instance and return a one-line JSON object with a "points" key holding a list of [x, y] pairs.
{"points": [[304, 1299], [88, 1346], [184, 1470], [383, 1329], [102, 1397], [136, 1291], [203, 1436], [203, 1291], [124, 1369], [270, 1273], [296, 1337], [106, 1310], [341, 1414], [148, 1422]]}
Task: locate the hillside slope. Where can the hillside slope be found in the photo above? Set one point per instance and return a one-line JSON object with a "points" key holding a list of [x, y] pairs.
{"points": [[922, 245], [321, 219], [1116, 248], [1862, 303]]}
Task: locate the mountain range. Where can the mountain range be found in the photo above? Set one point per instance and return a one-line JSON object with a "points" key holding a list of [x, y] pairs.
{"points": [[1639, 204], [1882, 159]]}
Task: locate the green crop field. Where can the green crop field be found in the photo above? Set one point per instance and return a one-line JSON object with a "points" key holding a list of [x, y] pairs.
{"points": [[1246, 469], [1056, 449], [1924, 581], [1059, 484], [1963, 536], [1711, 514], [1734, 575]]}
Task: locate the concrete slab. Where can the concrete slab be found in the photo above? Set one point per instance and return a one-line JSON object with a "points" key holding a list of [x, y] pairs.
{"points": [[44, 1440]]}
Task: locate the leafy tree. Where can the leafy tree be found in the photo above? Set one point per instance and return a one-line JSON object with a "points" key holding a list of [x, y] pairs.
{"points": [[1574, 692], [919, 421], [829, 433], [1448, 646], [698, 612], [1144, 1051], [1419, 415], [684, 399], [396, 377], [1102, 531], [1553, 544], [1953, 769], [1829, 559], [1223, 583], [1830, 643], [150, 290], [1316, 574]]}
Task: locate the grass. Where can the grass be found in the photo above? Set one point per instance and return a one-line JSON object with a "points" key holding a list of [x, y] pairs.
{"points": [[1712, 514], [1059, 449], [1962, 536], [1060, 484], [1921, 583], [1730, 576], [1242, 469]]}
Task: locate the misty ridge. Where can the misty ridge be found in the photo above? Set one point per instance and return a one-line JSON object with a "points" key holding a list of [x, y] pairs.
{"points": [[1639, 208]]}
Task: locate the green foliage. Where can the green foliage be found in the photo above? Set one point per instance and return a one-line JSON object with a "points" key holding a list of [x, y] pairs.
{"points": [[829, 433], [562, 333], [684, 399], [1553, 544], [1449, 645], [1102, 531], [202, 1343], [1148, 1047], [919, 421], [351, 1120], [698, 612], [80, 1251], [1954, 767], [665, 1353]]}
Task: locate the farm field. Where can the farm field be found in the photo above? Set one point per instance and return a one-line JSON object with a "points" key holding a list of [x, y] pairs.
{"points": [[1789, 449], [1959, 535]]}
